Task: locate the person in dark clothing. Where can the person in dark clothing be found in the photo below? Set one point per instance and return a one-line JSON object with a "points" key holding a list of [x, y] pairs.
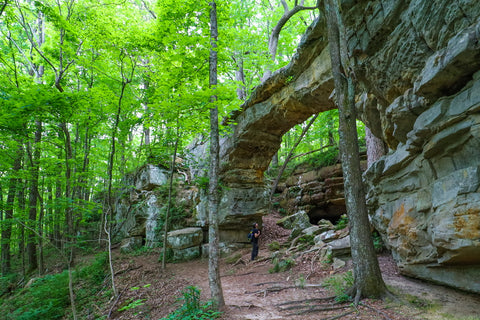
{"points": [[256, 234]]}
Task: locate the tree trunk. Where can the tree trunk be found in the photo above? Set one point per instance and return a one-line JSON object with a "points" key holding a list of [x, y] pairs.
{"points": [[213, 254], [375, 147], [33, 199], [169, 202], [240, 77], [40, 226], [68, 190], [57, 226], [22, 210], [109, 210], [7, 229], [368, 279]]}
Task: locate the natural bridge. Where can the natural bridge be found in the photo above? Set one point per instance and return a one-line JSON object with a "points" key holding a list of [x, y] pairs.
{"points": [[289, 97], [417, 64]]}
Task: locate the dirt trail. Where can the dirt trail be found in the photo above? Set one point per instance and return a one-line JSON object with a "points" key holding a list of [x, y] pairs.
{"points": [[252, 292]]}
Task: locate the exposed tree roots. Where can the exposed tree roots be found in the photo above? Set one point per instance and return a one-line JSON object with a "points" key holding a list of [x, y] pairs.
{"points": [[305, 301], [339, 316], [379, 312], [311, 309], [323, 304]]}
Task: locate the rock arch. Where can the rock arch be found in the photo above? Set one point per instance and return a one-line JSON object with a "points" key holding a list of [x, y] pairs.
{"points": [[289, 97]]}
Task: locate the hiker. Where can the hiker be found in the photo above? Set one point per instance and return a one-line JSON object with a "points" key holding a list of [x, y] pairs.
{"points": [[256, 234]]}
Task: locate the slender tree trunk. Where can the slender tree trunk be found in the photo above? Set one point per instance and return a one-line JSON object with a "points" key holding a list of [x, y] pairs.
{"points": [[169, 201], [33, 199], [368, 278], [57, 230], [213, 254], [49, 219], [41, 261], [240, 77], [109, 210], [2, 206], [22, 212], [146, 130], [68, 191], [375, 147], [7, 229]]}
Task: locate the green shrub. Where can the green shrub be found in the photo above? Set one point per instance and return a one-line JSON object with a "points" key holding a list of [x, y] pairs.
{"points": [[96, 272], [7, 283], [308, 239], [282, 265], [132, 304], [46, 298], [342, 222], [192, 308], [339, 284], [326, 158], [168, 255], [88, 282], [377, 241], [202, 182], [141, 251], [274, 246]]}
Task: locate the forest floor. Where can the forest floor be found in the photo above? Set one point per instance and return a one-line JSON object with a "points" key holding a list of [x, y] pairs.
{"points": [[252, 292]]}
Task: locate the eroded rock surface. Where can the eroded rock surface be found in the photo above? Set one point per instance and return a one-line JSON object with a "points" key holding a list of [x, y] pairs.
{"points": [[419, 63], [138, 207]]}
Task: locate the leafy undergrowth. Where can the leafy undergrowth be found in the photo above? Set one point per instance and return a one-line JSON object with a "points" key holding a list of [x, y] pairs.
{"points": [[48, 297], [192, 307], [268, 288]]}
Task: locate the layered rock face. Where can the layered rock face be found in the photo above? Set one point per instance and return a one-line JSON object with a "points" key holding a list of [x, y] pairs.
{"points": [[138, 208], [316, 191], [419, 63], [319, 193]]}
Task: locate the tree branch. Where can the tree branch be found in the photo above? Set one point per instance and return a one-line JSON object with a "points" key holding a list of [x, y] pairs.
{"points": [[304, 131], [3, 7], [310, 152], [154, 16]]}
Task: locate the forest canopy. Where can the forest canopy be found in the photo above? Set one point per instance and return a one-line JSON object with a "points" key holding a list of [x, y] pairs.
{"points": [[92, 90]]}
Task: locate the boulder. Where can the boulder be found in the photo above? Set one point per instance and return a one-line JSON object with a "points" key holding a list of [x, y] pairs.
{"points": [[149, 177], [185, 238], [338, 263], [131, 244], [297, 220], [340, 247], [311, 231], [326, 236], [186, 253]]}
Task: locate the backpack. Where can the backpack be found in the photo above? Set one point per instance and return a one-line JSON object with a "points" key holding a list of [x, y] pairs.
{"points": [[250, 236]]}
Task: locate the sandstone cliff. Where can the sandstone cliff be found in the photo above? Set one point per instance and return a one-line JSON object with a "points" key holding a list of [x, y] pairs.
{"points": [[418, 63]]}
